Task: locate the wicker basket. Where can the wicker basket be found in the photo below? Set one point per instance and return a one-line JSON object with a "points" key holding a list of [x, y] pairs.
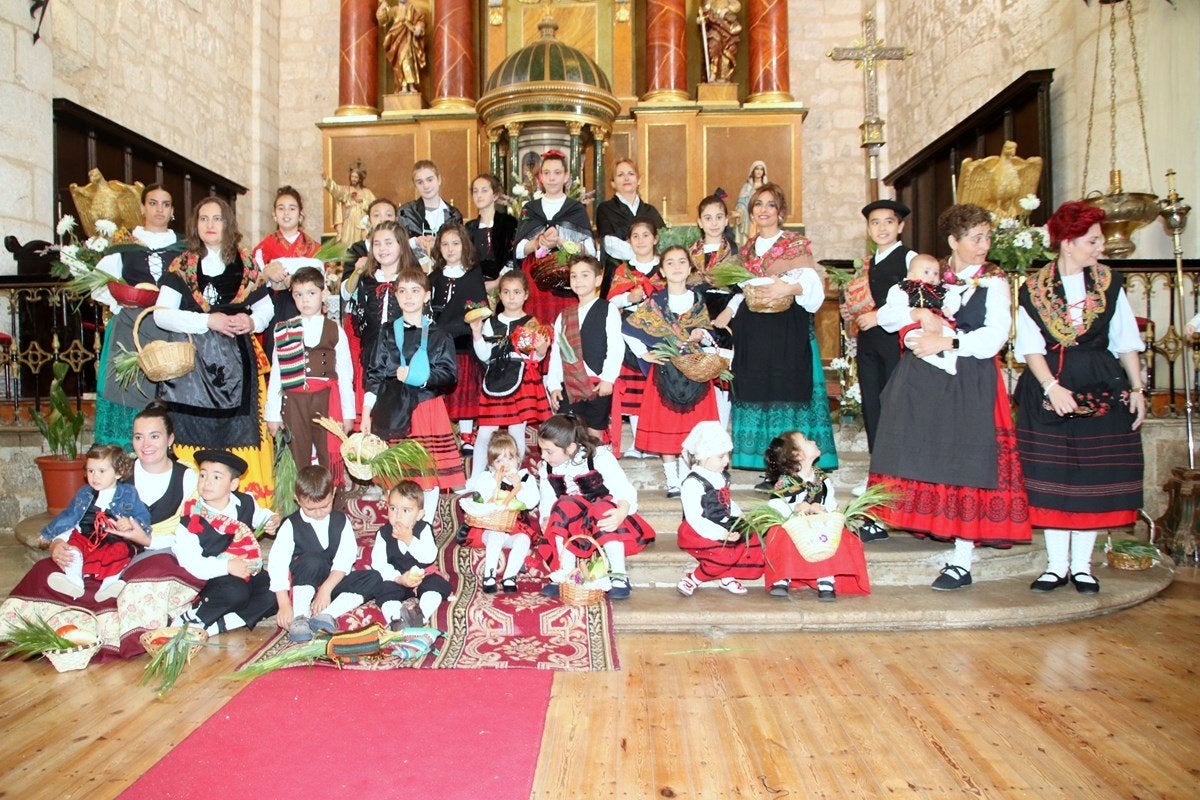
{"points": [[128, 295], [1125, 561], [575, 595], [549, 275], [198, 635], [364, 447], [754, 301], [75, 657], [700, 367], [163, 361], [816, 536], [489, 516]]}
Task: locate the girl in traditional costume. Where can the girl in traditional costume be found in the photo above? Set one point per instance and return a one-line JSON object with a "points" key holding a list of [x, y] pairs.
{"points": [[715, 246], [456, 283], [800, 487], [102, 529], [513, 346], [425, 216], [946, 442], [214, 292], [1081, 401], [141, 260], [585, 491], [504, 484], [282, 253], [632, 282], [548, 223], [673, 403], [710, 514], [413, 367], [779, 383], [492, 231]]}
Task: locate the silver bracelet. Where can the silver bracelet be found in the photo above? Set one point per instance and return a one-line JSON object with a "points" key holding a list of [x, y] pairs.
{"points": [[1048, 385]]}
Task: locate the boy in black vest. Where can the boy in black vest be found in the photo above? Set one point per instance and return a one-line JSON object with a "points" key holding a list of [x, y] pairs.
{"points": [[215, 541], [586, 357], [312, 562], [878, 350], [405, 555]]}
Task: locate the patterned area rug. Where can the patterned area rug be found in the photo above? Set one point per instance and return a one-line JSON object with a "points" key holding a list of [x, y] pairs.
{"points": [[522, 630]]}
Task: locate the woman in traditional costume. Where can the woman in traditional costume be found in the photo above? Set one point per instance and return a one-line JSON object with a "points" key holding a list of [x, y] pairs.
{"points": [[155, 585], [1081, 399], [547, 224], [142, 260], [214, 293], [615, 215], [778, 383], [946, 442]]}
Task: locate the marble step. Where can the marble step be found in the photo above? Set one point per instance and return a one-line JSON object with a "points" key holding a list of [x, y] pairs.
{"points": [[900, 560], [996, 603]]}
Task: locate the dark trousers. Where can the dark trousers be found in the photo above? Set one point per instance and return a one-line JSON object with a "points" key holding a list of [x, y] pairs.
{"points": [[391, 590], [312, 570], [299, 408], [251, 600], [878, 355]]}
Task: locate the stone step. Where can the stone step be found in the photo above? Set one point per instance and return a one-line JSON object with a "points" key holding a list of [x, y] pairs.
{"points": [[996, 603], [900, 560]]}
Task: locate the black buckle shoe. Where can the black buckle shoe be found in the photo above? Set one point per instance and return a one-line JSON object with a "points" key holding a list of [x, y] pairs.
{"points": [[460, 536], [1048, 582], [951, 577], [871, 531]]}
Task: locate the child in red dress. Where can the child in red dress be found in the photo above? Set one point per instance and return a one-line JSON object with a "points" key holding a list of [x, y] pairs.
{"points": [[508, 343], [802, 488], [709, 516]]}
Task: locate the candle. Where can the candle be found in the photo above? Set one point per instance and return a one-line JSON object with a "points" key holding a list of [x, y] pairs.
{"points": [[1170, 181]]}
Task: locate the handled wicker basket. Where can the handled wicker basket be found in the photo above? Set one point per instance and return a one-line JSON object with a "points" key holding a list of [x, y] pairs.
{"points": [[816, 536], [575, 595], [489, 516], [75, 657], [163, 361], [700, 367], [1125, 561], [357, 449], [756, 303], [154, 640]]}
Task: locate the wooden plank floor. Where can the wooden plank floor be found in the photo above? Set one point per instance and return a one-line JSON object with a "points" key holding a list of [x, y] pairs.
{"points": [[1104, 708]]}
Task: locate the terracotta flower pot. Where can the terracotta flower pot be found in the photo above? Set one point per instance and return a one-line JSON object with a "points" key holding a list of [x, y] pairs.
{"points": [[61, 479]]}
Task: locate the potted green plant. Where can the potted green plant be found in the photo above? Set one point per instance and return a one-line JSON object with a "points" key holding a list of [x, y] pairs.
{"points": [[62, 468]]}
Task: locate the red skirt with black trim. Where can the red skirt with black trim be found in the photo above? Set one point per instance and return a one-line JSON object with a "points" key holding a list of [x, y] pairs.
{"points": [[463, 402], [848, 565], [627, 399], [431, 427], [575, 515], [529, 404], [355, 345], [990, 517], [103, 559], [742, 560], [661, 430]]}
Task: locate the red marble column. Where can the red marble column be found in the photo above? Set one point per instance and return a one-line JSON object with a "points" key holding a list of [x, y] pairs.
{"points": [[453, 54], [358, 81], [768, 24], [666, 50]]}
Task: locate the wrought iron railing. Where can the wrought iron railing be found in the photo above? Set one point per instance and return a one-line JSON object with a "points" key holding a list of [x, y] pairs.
{"points": [[1151, 288]]}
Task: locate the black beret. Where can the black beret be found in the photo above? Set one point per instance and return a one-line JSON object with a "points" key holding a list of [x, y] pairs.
{"points": [[236, 465], [901, 210]]}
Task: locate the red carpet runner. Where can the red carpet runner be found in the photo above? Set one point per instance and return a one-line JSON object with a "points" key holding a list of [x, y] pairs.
{"points": [[320, 733]]}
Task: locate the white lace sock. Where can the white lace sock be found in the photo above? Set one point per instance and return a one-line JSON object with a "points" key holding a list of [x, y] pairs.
{"points": [[466, 425], [479, 457], [517, 431], [390, 610], [429, 603], [671, 471], [616, 557]]}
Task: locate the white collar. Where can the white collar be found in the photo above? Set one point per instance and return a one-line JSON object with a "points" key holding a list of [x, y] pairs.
{"points": [[456, 271], [155, 240], [212, 264], [880, 255], [634, 206], [646, 267]]}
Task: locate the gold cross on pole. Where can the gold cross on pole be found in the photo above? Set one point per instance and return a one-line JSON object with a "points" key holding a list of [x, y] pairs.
{"points": [[867, 53]]}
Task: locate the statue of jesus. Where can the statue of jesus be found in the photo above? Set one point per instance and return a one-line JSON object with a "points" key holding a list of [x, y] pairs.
{"points": [[350, 205]]}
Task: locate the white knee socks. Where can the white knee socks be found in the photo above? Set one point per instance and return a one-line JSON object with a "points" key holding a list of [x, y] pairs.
{"points": [[346, 601], [479, 456], [230, 621], [616, 557], [517, 431], [431, 504], [466, 425], [671, 471], [428, 604], [1082, 543], [519, 545], [964, 550], [302, 597], [1058, 543], [493, 543]]}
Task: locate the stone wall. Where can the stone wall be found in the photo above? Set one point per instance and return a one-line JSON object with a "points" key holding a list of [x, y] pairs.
{"points": [[968, 50]]}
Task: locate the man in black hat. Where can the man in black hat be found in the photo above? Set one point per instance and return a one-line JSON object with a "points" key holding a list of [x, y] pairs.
{"points": [[878, 350]]}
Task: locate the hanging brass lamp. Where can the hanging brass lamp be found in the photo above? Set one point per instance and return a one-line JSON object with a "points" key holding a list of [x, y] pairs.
{"points": [[1125, 212]]}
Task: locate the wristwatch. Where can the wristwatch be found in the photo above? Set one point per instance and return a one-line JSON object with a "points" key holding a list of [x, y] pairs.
{"points": [[954, 343]]}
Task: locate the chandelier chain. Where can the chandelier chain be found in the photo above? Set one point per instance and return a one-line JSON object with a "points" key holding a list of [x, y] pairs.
{"points": [[1141, 99], [1087, 148]]}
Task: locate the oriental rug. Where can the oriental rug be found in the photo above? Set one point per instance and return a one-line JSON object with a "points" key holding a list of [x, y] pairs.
{"points": [[522, 630], [322, 733]]}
